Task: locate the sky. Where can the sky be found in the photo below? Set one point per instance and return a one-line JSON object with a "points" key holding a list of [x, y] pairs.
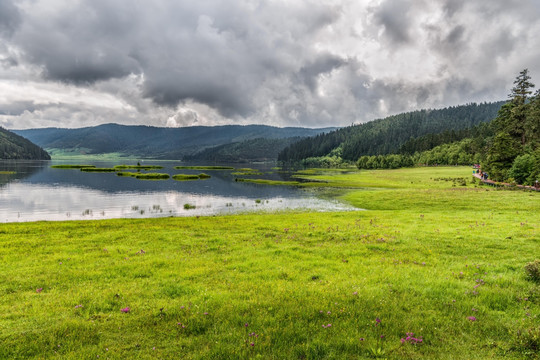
{"points": [[311, 63]]}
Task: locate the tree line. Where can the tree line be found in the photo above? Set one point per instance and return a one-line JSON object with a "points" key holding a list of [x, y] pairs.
{"points": [[404, 133], [514, 150], [504, 137], [508, 148]]}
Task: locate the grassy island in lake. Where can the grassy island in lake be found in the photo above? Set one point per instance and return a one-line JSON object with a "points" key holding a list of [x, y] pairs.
{"points": [[187, 177], [95, 169], [204, 168], [72, 166], [138, 167]]}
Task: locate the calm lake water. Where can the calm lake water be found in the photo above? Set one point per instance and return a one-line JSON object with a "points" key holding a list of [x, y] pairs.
{"points": [[38, 192]]}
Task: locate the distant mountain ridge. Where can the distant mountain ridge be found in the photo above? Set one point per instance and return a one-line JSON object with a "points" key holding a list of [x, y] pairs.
{"points": [[16, 147], [156, 142]]}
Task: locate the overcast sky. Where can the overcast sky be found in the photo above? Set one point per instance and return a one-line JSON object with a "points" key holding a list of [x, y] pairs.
{"points": [[75, 63]]}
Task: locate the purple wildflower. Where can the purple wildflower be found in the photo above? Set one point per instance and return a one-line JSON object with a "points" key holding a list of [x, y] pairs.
{"points": [[411, 339], [39, 290], [125, 310], [471, 318]]}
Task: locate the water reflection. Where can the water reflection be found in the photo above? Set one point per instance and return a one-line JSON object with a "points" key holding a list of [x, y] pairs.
{"points": [[38, 192], [12, 170]]}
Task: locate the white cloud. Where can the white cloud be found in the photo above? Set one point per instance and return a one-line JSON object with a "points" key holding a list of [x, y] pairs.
{"points": [[307, 63]]}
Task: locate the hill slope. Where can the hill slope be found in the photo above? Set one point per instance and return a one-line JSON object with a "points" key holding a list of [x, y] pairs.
{"points": [[155, 142], [385, 136], [245, 151], [13, 146]]}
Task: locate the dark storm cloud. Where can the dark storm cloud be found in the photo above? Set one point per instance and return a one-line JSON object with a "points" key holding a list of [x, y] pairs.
{"points": [[393, 16], [80, 44], [451, 7], [288, 62], [325, 63], [209, 52], [9, 17]]}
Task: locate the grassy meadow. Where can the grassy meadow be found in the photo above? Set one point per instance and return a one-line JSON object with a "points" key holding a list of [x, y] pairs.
{"points": [[433, 268]]}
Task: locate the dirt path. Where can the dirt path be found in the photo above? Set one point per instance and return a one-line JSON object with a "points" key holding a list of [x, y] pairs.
{"points": [[493, 183]]}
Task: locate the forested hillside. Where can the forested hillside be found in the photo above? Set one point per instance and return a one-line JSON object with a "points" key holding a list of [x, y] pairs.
{"points": [[155, 142], [15, 147], [508, 148], [388, 135], [250, 150]]}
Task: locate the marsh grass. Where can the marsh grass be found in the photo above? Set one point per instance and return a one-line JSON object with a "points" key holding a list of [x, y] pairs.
{"points": [[268, 182], [151, 176], [72, 166], [138, 167], [126, 173], [247, 173], [204, 168], [188, 177], [7, 172], [444, 263], [95, 169], [144, 176], [185, 177]]}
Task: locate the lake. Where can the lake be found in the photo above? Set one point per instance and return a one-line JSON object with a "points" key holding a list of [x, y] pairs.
{"points": [[34, 191]]}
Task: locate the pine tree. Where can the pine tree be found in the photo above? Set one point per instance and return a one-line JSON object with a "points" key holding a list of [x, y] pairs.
{"points": [[519, 96]]}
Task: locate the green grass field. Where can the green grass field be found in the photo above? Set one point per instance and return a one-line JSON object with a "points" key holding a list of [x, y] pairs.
{"points": [[429, 256]]}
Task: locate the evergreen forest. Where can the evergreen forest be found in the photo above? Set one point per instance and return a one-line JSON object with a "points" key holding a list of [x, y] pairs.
{"points": [[15, 147], [504, 137]]}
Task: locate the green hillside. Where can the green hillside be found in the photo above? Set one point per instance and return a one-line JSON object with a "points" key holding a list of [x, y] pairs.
{"points": [[245, 151], [388, 135], [15, 147]]}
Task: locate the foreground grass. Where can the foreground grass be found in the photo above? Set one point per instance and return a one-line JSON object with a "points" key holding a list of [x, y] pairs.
{"points": [[426, 257]]}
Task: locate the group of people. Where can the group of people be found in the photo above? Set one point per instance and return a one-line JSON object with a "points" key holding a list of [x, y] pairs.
{"points": [[484, 176], [478, 170]]}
